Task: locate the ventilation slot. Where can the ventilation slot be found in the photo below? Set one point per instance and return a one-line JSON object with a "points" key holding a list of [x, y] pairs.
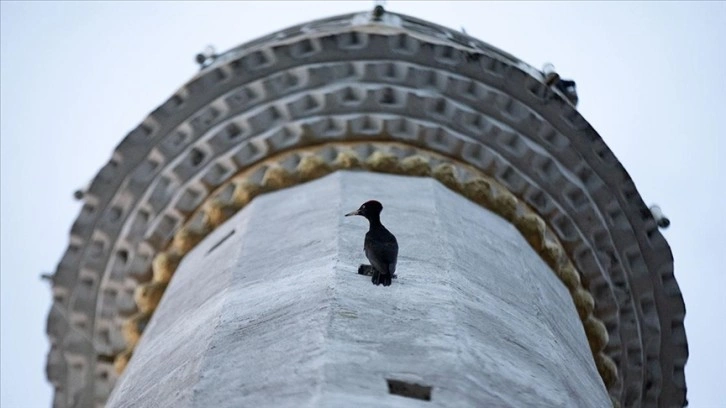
{"points": [[221, 241], [409, 390]]}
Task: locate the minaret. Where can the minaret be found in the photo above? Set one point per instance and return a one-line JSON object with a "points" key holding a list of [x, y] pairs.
{"points": [[211, 264]]}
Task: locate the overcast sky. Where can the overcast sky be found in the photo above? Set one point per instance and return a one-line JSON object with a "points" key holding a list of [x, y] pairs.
{"points": [[77, 77]]}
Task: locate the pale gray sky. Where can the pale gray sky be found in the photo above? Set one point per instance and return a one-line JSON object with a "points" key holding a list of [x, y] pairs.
{"points": [[76, 77]]}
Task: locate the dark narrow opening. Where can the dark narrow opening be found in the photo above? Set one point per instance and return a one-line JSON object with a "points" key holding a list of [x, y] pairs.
{"points": [[196, 156], [409, 390], [59, 298], [106, 358], [123, 256], [87, 282], [215, 246]]}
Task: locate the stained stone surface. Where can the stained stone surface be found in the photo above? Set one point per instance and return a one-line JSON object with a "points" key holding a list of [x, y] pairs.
{"points": [[269, 311]]}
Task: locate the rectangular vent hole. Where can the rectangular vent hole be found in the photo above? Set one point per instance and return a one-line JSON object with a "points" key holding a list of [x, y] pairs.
{"points": [[221, 241], [409, 390]]}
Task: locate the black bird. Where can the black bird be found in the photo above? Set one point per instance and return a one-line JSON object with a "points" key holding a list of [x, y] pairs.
{"points": [[380, 245]]}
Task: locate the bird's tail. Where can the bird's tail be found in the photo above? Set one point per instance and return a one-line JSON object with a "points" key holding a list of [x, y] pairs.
{"points": [[366, 270]]}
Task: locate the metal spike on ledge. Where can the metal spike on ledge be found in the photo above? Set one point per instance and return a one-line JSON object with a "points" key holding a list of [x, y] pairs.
{"points": [[206, 57], [551, 76], [660, 219]]}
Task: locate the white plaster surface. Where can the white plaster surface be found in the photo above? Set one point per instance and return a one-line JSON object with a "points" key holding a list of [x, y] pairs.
{"points": [[276, 315]]}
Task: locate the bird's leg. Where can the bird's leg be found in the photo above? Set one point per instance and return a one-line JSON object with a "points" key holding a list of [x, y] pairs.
{"points": [[386, 279], [366, 270], [376, 279]]}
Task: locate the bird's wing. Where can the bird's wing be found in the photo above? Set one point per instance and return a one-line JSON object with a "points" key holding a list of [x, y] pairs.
{"points": [[386, 251], [382, 254]]}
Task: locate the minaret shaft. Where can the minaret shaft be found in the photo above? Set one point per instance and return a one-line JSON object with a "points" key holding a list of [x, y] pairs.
{"points": [[276, 314]]}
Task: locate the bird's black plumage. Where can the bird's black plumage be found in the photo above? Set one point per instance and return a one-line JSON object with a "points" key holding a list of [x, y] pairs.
{"points": [[380, 246]]}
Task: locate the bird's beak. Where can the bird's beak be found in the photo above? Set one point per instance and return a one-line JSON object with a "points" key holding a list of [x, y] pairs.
{"points": [[356, 212]]}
